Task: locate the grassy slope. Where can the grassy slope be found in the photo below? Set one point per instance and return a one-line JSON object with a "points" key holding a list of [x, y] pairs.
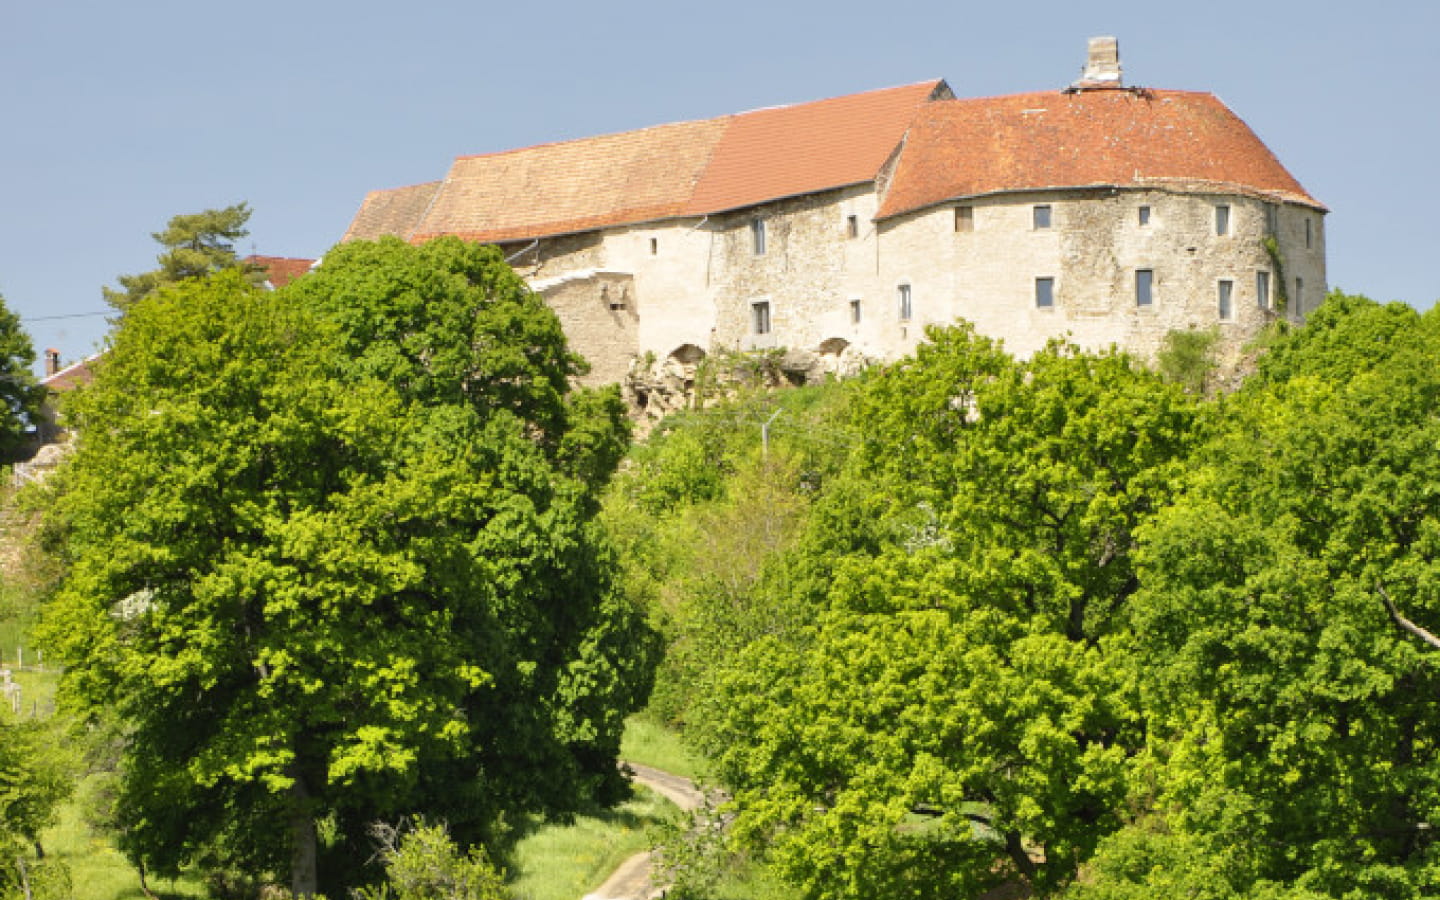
{"points": [[564, 862]]}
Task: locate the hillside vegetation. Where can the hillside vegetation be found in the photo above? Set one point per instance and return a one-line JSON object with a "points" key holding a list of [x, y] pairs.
{"points": [[1059, 626], [964, 626]]}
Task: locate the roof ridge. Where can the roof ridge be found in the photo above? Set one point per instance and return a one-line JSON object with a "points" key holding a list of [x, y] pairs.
{"points": [[724, 117]]}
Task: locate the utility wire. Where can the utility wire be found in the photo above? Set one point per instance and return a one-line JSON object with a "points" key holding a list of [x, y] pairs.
{"points": [[63, 316]]}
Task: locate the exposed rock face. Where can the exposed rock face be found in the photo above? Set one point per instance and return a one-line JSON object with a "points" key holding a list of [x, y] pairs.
{"points": [[655, 388], [45, 461]]}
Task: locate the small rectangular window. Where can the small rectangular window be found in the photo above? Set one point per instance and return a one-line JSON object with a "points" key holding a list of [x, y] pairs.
{"points": [[1044, 292], [855, 311], [964, 218], [1309, 235], [1144, 216], [1144, 287], [760, 316], [1262, 290], [757, 235], [902, 293], [1222, 219], [1041, 217], [1272, 218], [654, 246], [1299, 305], [1224, 295], [852, 226]]}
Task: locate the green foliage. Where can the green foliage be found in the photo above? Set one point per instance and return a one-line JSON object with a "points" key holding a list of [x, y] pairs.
{"points": [[699, 513], [1271, 246], [1187, 358], [962, 711], [35, 777], [20, 396], [1297, 722], [332, 558], [1347, 336], [196, 245], [422, 863]]}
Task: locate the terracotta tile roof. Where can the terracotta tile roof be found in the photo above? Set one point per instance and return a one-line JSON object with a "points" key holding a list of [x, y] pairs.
{"points": [[396, 211], [681, 169], [1177, 139], [634, 176], [280, 270], [791, 150], [72, 376]]}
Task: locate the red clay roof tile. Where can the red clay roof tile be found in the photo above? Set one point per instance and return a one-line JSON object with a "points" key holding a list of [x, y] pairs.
{"points": [[633, 176], [787, 151], [942, 149], [1177, 139], [391, 212], [280, 270]]}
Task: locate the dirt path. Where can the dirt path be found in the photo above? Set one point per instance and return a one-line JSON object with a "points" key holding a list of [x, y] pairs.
{"points": [[632, 880]]}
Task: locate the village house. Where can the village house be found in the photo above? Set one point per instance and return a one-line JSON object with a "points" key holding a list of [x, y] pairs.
{"points": [[842, 227]]}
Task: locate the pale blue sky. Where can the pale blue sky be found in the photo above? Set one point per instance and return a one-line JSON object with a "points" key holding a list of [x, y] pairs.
{"points": [[114, 117]]}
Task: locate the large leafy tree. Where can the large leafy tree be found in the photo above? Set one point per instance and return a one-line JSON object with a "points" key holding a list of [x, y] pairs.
{"points": [[332, 559], [1296, 719], [196, 244], [963, 711], [20, 396]]}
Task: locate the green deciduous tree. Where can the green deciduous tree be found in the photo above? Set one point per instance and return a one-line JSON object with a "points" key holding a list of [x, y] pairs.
{"points": [[20, 396], [196, 245], [1296, 720], [964, 710], [333, 561]]}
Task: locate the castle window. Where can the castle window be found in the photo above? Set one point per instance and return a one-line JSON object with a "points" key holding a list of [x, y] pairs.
{"points": [[964, 218], [902, 293], [757, 235], [855, 311], [1144, 287], [1222, 219], [1144, 216], [1224, 294], [852, 226], [654, 246], [1040, 216], [1309, 235], [760, 316], [1044, 292], [1262, 290], [1272, 218]]}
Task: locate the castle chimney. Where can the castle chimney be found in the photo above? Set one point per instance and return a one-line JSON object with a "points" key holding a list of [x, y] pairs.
{"points": [[1102, 65], [52, 361]]}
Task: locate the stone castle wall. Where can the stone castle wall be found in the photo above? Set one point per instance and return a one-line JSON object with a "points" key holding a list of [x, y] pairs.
{"points": [[831, 279]]}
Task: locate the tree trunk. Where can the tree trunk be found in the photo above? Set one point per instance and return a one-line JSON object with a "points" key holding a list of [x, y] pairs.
{"points": [[304, 873]]}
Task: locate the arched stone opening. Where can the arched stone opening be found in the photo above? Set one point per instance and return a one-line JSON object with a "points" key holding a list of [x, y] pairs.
{"points": [[687, 354]]}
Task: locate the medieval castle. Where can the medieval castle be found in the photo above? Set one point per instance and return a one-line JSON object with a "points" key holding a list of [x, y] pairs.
{"points": [[842, 227]]}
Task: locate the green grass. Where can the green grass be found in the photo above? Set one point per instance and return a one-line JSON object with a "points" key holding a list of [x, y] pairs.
{"points": [[37, 691], [649, 743], [97, 870], [565, 862]]}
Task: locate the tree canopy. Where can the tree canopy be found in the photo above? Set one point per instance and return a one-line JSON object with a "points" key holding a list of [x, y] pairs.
{"points": [[962, 711], [196, 245], [332, 561], [1061, 623], [20, 396]]}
